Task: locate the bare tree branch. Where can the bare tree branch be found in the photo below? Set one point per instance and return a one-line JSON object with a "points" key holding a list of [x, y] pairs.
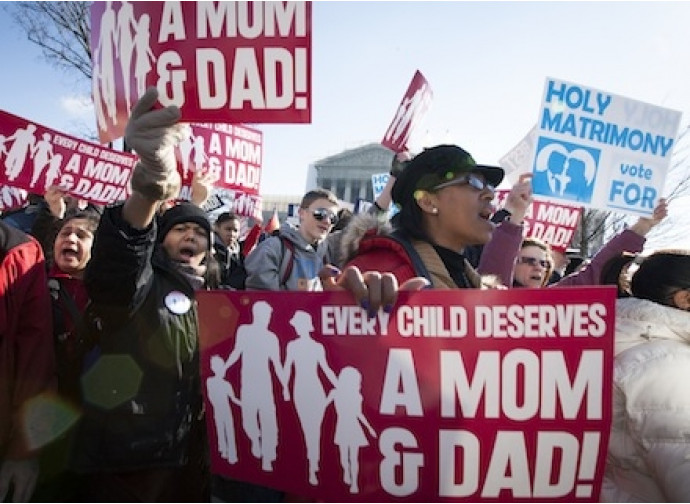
{"points": [[61, 29]]}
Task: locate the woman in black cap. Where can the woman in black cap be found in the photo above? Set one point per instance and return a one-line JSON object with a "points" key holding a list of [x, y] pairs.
{"points": [[445, 201]]}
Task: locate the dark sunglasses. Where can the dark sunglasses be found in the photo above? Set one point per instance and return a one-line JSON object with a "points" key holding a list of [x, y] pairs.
{"points": [[470, 179], [533, 261], [323, 214]]}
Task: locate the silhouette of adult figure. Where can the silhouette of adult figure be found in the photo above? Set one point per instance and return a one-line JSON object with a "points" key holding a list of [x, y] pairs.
{"points": [[307, 357], [258, 347], [23, 143], [417, 106], [3, 148], [349, 435], [96, 86], [7, 196], [105, 57], [143, 56], [185, 147], [550, 177], [42, 152], [220, 393], [399, 114], [580, 169], [124, 36], [200, 156], [54, 170]]}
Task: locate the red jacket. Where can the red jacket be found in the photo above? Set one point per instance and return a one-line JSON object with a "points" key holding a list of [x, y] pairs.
{"points": [[27, 364], [378, 253], [367, 244]]}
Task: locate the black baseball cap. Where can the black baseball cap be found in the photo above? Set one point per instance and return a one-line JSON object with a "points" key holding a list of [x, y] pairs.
{"points": [[436, 165]]}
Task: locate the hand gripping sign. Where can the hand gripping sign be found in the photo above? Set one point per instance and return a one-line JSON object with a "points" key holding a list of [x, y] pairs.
{"points": [[461, 395], [548, 221], [409, 114], [220, 62]]}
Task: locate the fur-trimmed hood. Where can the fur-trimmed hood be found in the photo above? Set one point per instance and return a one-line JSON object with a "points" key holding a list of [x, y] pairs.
{"points": [[399, 256], [361, 225]]}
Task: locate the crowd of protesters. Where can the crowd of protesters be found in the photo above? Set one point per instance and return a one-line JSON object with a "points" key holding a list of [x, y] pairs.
{"points": [[122, 282]]}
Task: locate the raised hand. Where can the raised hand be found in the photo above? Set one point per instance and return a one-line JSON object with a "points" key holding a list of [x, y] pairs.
{"points": [[153, 134], [645, 224]]}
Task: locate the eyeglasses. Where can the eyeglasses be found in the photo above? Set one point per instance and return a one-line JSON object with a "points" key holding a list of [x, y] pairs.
{"points": [[324, 213], [470, 179], [534, 262]]}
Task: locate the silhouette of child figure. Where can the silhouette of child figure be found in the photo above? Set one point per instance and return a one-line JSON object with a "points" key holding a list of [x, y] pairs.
{"points": [[220, 393], [349, 435]]}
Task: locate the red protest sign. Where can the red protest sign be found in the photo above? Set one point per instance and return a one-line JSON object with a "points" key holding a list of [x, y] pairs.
{"points": [[413, 106], [231, 156], [35, 157], [460, 395], [553, 223], [12, 198], [220, 62]]}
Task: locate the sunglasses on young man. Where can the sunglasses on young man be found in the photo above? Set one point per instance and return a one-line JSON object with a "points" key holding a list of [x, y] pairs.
{"points": [[323, 214], [533, 261], [470, 179]]}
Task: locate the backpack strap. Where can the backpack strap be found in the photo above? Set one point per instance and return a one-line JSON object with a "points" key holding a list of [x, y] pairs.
{"points": [[427, 263], [286, 244], [417, 263]]}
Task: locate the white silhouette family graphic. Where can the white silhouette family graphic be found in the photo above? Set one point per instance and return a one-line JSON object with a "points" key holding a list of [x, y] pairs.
{"points": [[126, 38], [411, 109], [25, 144], [12, 197], [258, 348], [192, 148]]}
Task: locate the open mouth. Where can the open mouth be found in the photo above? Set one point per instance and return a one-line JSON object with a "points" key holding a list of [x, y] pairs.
{"points": [[186, 253], [69, 254]]}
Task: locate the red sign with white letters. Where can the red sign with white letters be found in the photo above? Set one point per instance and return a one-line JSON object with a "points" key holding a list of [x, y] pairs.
{"points": [[220, 62], [553, 223], [33, 157], [456, 395], [231, 156]]}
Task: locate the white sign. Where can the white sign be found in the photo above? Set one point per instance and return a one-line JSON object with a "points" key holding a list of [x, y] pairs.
{"points": [[517, 160], [378, 182], [601, 150]]}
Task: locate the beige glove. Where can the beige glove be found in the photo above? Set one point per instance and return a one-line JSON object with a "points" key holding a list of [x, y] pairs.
{"points": [[153, 135]]}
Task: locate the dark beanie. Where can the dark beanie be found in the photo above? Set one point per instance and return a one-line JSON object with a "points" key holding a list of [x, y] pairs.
{"points": [[183, 212], [436, 165]]}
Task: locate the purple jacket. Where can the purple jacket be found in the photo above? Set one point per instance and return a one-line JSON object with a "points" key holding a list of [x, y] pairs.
{"points": [[498, 256]]}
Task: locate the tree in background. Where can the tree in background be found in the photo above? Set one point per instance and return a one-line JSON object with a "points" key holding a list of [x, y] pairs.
{"points": [[61, 29]]}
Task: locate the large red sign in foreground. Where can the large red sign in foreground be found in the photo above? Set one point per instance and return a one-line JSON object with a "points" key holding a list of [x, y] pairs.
{"points": [[456, 395]]}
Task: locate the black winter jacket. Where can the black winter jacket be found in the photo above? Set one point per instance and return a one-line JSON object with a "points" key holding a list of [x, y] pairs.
{"points": [[142, 393]]}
